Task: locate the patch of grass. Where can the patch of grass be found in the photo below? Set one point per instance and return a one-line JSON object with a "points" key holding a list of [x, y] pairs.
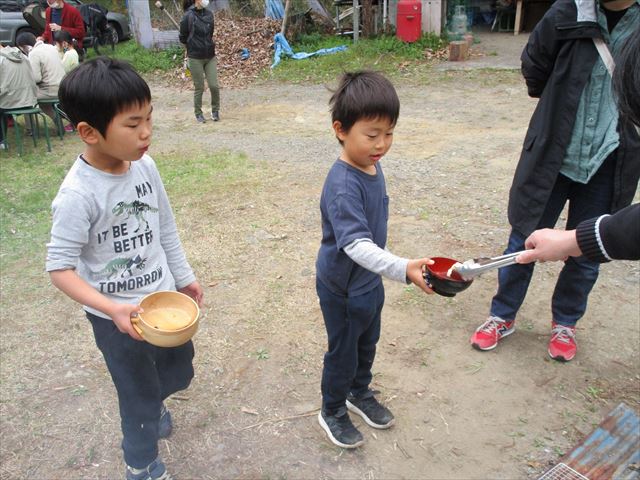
{"points": [[28, 184], [145, 60], [384, 53], [193, 175], [594, 392], [262, 354]]}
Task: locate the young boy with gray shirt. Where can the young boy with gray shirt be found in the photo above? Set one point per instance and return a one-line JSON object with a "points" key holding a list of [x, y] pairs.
{"points": [[352, 256], [114, 240]]}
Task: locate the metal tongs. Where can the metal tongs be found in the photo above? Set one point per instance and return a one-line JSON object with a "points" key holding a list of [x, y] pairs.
{"points": [[472, 268]]}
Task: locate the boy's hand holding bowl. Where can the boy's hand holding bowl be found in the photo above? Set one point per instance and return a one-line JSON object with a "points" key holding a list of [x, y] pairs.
{"points": [[167, 318], [415, 273]]}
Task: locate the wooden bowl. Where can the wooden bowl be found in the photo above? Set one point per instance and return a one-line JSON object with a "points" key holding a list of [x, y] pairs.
{"points": [[169, 318]]}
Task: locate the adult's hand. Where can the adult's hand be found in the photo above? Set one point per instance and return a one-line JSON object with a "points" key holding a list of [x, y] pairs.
{"points": [[548, 245]]}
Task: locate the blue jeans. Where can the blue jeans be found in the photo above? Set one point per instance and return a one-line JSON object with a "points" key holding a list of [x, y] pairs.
{"points": [[353, 330], [144, 375], [569, 301]]}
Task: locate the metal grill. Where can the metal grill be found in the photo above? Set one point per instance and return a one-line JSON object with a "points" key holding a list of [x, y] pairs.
{"points": [[562, 472]]}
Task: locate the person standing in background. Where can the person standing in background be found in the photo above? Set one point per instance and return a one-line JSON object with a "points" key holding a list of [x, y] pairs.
{"points": [[196, 33], [62, 16]]}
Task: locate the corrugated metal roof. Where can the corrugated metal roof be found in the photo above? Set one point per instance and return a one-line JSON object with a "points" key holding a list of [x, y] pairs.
{"points": [[612, 450]]}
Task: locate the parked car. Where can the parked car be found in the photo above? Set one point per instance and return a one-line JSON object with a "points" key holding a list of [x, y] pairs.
{"points": [[13, 23]]}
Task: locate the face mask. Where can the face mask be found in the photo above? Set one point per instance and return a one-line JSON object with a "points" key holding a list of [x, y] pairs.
{"points": [[204, 3]]}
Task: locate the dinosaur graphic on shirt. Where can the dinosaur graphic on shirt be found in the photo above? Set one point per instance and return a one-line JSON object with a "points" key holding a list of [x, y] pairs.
{"points": [[136, 208], [124, 265]]}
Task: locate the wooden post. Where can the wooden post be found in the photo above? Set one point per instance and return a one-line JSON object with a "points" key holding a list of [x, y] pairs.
{"points": [[285, 18], [458, 51], [356, 20], [519, 17]]}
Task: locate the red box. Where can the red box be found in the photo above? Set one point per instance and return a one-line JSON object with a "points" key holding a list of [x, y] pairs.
{"points": [[409, 20]]}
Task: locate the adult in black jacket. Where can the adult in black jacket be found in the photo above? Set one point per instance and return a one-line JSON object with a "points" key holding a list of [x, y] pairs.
{"points": [[576, 149], [196, 33], [608, 237]]}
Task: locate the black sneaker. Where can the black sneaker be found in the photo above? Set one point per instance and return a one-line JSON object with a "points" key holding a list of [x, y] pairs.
{"points": [[200, 118], [375, 414], [339, 429], [154, 471], [165, 425], [215, 116]]}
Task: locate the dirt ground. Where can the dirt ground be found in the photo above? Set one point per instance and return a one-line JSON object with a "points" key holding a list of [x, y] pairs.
{"points": [[251, 410]]}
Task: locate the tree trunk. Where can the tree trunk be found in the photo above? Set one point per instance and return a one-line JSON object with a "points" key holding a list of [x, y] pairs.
{"points": [[367, 18]]}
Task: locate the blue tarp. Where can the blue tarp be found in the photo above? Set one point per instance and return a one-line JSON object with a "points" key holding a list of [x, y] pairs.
{"points": [[282, 47], [274, 9]]}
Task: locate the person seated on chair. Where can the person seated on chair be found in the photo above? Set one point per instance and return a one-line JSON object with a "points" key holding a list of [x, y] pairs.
{"points": [[17, 85], [66, 50], [46, 66], [61, 16]]}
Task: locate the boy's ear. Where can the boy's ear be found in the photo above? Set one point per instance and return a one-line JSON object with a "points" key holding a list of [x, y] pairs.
{"points": [[337, 128], [87, 133]]}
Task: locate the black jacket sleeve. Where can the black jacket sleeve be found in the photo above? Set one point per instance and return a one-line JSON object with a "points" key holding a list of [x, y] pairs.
{"points": [[183, 35], [539, 55], [619, 236]]}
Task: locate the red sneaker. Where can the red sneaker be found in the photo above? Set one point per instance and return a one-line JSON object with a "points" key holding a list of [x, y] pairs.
{"points": [[562, 346], [487, 335]]}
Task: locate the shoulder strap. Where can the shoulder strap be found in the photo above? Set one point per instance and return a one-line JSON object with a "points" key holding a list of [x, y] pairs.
{"points": [[605, 54]]}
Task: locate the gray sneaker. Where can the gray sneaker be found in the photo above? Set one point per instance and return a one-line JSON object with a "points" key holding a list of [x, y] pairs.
{"points": [[373, 412], [165, 425], [154, 471], [200, 118], [215, 116], [339, 429]]}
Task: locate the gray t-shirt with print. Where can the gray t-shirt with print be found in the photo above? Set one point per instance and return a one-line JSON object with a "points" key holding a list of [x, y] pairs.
{"points": [[118, 232]]}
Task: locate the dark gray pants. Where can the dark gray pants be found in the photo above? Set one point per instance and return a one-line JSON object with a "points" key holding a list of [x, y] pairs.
{"points": [[201, 69], [144, 375], [353, 331]]}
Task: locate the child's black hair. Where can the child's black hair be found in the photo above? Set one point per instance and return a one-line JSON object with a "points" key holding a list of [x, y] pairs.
{"points": [[363, 94], [626, 79], [186, 4], [99, 89], [62, 36], [25, 38]]}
